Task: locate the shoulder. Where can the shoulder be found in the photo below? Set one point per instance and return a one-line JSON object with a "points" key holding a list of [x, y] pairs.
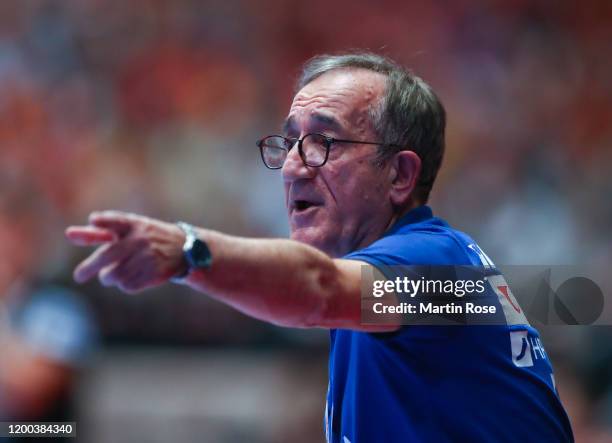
{"points": [[430, 242]]}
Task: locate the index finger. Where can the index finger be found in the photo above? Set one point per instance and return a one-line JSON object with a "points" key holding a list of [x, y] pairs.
{"points": [[89, 235]]}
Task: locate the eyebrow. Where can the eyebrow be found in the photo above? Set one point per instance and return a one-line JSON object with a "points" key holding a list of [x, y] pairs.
{"points": [[324, 120]]}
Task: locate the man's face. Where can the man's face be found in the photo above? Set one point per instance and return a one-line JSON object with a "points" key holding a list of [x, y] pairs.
{"points": [[343, 205]]}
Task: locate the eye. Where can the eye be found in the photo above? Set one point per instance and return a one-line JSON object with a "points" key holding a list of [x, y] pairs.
{"points": [[319, 140], [328, 140]]}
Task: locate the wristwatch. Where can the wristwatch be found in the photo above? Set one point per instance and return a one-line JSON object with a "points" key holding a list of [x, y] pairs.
{"points": [[196, 251]]}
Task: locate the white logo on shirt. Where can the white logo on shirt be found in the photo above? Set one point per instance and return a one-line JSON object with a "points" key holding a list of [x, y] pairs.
{"points": [[521, 349], [484, 258]]}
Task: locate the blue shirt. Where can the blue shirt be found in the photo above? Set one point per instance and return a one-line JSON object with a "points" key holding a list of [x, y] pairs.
{"points": [[490, 383]]}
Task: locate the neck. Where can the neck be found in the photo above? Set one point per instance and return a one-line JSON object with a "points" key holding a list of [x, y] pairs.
{"points": [[400, 213], [369, 234]]}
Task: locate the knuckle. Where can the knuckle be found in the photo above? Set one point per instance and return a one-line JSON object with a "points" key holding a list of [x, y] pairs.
{"points": [[149, 229]]}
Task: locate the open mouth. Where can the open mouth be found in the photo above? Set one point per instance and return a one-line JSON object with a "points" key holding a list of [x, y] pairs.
{"points": [[303, 205]]}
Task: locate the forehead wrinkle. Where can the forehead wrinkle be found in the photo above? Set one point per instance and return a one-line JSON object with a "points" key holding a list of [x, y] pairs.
{"points": [[335, 117], [327, 120], [350, 100], [332, 93], [335, 98]]}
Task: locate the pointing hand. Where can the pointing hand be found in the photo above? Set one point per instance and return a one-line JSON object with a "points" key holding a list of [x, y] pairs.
{"points": [[134, 252]]}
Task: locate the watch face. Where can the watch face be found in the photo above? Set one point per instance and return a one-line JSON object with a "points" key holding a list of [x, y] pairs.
{"points": [[200, 254]]}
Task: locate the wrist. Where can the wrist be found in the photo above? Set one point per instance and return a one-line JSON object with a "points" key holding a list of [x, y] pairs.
{"points": [[195, 253]]}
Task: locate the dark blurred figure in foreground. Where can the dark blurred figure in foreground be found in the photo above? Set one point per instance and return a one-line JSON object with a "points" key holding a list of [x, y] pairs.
{"points": [[46, 332]]}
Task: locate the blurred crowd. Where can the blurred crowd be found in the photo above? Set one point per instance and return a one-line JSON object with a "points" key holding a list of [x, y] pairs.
{"points": [[153, 107]]}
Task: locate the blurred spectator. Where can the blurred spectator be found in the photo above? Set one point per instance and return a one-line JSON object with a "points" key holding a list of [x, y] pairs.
{"points": [[46, 338], [46, 332]]}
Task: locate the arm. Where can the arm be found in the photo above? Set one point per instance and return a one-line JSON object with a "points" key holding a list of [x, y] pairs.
{"points": [[279, 281]]}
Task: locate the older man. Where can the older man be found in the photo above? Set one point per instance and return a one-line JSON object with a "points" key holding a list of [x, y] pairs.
{"points": [[360, 150]]}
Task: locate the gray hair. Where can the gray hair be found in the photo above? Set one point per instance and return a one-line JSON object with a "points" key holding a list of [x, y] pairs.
{"points": [[409, 115]]}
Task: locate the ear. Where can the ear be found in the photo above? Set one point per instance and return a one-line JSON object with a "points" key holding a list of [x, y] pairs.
{"points": [[405, 171]]}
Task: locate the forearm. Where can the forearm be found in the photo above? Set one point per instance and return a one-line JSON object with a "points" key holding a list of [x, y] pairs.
{"points": [[280, 281]]}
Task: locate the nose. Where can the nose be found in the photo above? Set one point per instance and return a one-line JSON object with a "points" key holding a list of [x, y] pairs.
{"points": [[294, 168]]}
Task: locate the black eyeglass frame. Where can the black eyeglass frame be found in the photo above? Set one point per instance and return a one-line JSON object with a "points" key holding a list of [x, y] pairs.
{"points": [[328, 142]]}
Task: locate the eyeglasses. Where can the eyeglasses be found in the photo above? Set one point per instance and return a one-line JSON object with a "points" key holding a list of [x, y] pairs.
{"points": [[313, 149]]}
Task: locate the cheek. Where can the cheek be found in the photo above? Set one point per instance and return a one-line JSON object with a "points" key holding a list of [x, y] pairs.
{"points": [[359, 186], [286, 195]]}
